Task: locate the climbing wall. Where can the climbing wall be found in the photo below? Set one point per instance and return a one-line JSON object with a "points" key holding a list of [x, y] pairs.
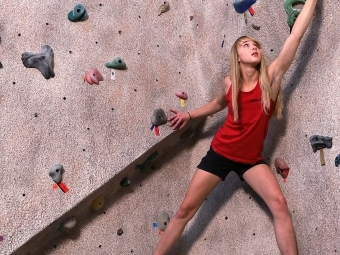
{"points": [[121, 172]]}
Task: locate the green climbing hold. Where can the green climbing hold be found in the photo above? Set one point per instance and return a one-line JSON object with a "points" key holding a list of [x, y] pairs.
{"points": [[149, 161], [117, 63], [78, 13], [292, 12]]}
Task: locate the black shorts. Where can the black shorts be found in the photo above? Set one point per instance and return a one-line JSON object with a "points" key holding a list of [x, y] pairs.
{"points": [[221, 166]]}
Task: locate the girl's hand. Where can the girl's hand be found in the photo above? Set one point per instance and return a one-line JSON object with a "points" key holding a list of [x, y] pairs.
{"points": [[179, 120]]}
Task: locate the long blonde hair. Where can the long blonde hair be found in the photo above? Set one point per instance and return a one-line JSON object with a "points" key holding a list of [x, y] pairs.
{"points": [[264, 81]]}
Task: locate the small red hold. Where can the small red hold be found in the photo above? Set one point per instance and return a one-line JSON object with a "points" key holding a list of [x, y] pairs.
{"points": [[281, 168], [181, 95], [251, 11], [93, 76]]}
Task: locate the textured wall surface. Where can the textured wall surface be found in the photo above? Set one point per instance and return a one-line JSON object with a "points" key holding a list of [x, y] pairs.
{"points": [[100, 133]]}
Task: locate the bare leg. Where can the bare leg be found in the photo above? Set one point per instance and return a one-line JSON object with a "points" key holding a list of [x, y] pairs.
{"points": [[263, 182], [201, 185]]}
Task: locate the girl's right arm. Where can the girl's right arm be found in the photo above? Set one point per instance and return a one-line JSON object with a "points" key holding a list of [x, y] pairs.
{"points": [[180, 119]]}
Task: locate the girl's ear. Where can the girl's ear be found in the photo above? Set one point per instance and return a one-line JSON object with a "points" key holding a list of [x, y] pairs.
{"points": [[238, 59]]}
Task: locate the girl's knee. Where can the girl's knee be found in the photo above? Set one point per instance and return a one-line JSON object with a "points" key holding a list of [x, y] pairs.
{"points": [[186, 211], [279, 205]]}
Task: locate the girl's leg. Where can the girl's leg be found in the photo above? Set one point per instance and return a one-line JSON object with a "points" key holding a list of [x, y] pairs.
{"points": [[202, 183], [262, 180]]}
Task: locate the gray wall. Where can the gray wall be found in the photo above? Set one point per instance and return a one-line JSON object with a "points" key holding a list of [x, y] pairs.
{"points": [[99, 133]]}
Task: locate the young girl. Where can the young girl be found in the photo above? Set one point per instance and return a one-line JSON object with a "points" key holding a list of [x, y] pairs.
{"points": [[252, 93]]}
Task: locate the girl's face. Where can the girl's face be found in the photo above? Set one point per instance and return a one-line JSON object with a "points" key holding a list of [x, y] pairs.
{"points": [[248, 52]]}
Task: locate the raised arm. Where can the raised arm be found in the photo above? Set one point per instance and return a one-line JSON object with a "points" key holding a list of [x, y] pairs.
{"points": [[280, 65]]}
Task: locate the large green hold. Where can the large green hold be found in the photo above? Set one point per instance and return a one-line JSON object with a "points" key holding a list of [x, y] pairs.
{"points": [[292, 13], [78, 13], [117, 63]]}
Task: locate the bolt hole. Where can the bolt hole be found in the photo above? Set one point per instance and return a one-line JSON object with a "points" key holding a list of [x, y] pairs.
{"points": [[78, 10], [46, 24], [100, 246], [64, 98], [13, 82], [165, 223], [23, 195], [119, 61], [57, 170], [70, 52], [19, 34]]}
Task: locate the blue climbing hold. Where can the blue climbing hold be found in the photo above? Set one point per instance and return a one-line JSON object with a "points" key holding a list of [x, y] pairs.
{"points": [[337, 160], [242, 5]]}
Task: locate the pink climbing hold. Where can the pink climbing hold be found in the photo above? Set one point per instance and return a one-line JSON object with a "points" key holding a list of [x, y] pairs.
{"points": [[181, 95], [282, 168], [93, 76]]}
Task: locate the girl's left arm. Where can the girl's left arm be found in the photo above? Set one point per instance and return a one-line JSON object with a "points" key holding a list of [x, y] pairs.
{"points": [[280, 65]]}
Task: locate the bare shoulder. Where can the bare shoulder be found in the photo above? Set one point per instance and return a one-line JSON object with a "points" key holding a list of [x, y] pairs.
{"points": [[226, 84]]}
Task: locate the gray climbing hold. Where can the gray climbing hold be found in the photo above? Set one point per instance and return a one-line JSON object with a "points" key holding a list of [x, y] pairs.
{"points": [[158, 117], [337, 160], [117, 63], [43, 61], [56, 173], [163, 220], [163, 8], [78, 13], [69, 224]]}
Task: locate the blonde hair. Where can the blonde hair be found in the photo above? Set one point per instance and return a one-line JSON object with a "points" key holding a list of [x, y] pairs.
{"points": [[264, 81]]}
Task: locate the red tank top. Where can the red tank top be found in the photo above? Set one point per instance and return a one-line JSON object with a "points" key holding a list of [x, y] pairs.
{"points": [[243, 141]]}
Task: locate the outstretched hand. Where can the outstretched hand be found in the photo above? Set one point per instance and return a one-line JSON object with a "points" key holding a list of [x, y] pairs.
{"points": [[179, 120]]}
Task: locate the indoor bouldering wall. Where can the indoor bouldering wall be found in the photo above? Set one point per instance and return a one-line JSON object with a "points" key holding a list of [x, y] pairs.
{"points": [[85, 168]]}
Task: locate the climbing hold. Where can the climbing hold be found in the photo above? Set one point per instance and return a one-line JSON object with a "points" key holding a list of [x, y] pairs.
{"points": [[147, 162], [56, 173], [1, 66], [117, 63], [281, 168], [158, 117], [78, 13], [337, 160], [98, 203], [242, 5], [43, 61], [187, 134], [125, 182], [120, 232], [255, 26], [154, 224], [163, 220], [69, 224], [93, 76], [319, 143], [163, 8], [1, 238], [183, 96], [292, 12], [191, 17]]}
